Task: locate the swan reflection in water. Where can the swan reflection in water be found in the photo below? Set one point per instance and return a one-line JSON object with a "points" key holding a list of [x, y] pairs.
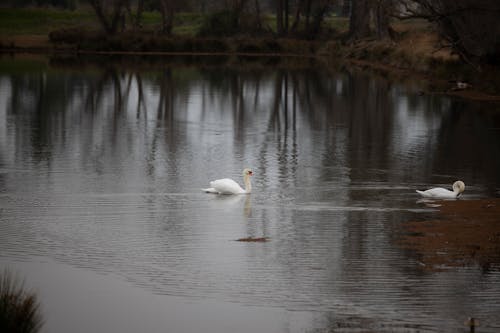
{"points": [[232, 202]]}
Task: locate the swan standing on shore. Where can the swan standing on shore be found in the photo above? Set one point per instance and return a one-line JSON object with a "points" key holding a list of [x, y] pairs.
{"points": [[442, 193], [229, 186]]}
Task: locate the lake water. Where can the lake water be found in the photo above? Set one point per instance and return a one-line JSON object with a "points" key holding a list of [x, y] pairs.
{"points": [[101, 208]]}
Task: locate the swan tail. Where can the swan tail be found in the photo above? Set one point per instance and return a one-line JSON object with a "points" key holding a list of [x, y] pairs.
{"points": [[422, 193]]}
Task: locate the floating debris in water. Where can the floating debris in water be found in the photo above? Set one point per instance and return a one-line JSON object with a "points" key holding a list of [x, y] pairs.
{"points": [[253, 239], [472, 323]]}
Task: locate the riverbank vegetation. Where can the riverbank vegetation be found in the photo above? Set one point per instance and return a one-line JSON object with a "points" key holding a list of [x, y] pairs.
{"points": [[19, 309], [456, 40]]}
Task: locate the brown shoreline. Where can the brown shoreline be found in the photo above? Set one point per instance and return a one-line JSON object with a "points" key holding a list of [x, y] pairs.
{"points": [[466, 233]]}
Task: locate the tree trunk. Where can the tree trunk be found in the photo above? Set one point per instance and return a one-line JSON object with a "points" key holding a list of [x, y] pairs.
{"points": [[279, 17], [99, 11], [318, 17], [308, 14], [383, 8], [359, 23], [257, 13], [346, 8], [109, 21], [137, 17], [298, 13], [238, 10], [167, 16], [286, 16], [117, 16]]}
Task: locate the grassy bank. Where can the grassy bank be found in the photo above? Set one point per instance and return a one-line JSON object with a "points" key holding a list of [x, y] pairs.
{"points": [[41, 21], [33, 21], [79, 30], [29, 28]]}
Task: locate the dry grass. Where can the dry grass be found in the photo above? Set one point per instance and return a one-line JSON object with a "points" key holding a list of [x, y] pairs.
{"points": [[19, 309]]}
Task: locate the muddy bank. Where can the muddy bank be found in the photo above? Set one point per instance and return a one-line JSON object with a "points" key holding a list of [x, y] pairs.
{"points": [[465, 233]]}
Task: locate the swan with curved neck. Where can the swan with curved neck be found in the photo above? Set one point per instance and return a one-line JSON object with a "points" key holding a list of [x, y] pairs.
{"points": [[229, 186], [442, 193]]}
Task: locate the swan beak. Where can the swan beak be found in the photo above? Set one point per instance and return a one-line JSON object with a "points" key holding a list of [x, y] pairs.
{"points": [[250, 173]]}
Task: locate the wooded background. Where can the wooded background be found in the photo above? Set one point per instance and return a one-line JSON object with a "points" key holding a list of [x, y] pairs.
{"points": [[470, 27]]}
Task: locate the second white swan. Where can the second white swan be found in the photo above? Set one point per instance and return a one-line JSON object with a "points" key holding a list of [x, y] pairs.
{"points": [[229, 186], [442, 193]]}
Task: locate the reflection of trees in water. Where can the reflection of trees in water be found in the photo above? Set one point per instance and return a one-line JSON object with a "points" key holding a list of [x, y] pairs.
{"points": [[466, 141], [369, 125], [37, 98], [359, 116], [347, 127]]}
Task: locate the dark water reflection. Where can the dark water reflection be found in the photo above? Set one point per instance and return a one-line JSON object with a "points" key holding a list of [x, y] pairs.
{"points": [[102, 169]]}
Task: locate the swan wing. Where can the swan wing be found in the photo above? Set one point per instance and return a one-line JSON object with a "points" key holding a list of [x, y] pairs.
{"points": [[438, 192], [209, 190], [226, 186]]}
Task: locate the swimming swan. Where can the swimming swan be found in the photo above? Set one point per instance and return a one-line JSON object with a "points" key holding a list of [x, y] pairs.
{"points": [[441, 193], [229, 186]]}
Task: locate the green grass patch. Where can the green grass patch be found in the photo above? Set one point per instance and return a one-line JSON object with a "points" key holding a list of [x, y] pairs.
{"points": [[187, 24], [37, 21], [41, 21], [340, 24]]}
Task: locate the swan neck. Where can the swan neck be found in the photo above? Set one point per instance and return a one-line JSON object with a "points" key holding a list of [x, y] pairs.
{"points": [[248, 184]]}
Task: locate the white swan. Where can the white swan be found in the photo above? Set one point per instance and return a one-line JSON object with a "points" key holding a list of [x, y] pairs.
{"points": [[442, 193], [229, 186]]}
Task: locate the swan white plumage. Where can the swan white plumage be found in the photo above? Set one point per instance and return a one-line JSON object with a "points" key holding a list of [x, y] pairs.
{"points": [[442, 193], [229, 186]]}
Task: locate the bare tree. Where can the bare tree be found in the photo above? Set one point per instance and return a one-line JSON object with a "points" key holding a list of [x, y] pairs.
{"points": [[238, 8], [313, 13], [319, 12], [135, 18], [383, 11], [167, 10], [109, 13], [370, 19], [359, 23], [470, 27], [280, 6], [301, 5]]}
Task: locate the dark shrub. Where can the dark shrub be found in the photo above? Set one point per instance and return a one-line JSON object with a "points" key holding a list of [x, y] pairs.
{"points": [[222, 23], [19, 309]]}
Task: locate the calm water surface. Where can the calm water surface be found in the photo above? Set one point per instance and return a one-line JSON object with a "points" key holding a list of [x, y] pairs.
{"points": [[101, 209]]}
